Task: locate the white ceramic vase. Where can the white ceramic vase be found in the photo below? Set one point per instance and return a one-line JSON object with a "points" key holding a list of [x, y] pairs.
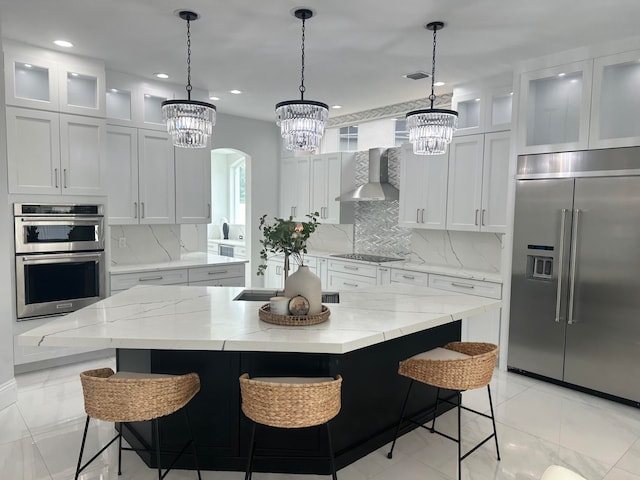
{"points": [[306, 283]]}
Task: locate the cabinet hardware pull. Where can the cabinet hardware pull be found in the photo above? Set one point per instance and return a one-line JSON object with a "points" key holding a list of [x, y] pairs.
{"points": [[563, 220], [350, 284], [135, 209], [476, 220], [141, 209], [278, 269], [349, 267], [383, 269], [209, 211], [482, 218], [148, 279], [409, 277], [55, 175], [572, 268], [422, 216], [463, 285], [216, 273], [417, 215], [64, 178]]}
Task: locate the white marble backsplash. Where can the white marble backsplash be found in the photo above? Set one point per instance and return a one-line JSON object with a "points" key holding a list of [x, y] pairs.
{"points": [[144, 244], [464, 250], [332, 238]]}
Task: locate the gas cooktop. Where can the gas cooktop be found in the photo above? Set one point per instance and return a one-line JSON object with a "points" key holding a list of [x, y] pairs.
{"points": [[365, 257]]}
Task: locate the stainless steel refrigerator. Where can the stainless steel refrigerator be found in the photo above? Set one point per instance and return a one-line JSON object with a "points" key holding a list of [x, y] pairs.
{"points": [[575, 299]]}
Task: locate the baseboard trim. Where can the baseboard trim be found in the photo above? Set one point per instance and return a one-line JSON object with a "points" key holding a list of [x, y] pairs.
{"points": [[8, 393]]}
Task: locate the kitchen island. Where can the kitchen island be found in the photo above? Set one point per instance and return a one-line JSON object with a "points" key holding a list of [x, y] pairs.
{"points": [[177, 329]]}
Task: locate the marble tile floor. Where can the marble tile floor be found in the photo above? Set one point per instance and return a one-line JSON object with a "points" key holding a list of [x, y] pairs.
{"points": [[539, 424]]}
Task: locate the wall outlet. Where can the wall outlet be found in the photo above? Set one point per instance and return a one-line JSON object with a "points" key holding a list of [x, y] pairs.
{"points": [[122, 242]]}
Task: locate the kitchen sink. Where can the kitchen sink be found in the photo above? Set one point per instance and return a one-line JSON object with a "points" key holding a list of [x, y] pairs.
{"points": [[265, 295]]}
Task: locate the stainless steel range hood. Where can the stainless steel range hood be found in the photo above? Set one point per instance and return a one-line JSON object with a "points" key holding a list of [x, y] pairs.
{"points": [[378, 187]]}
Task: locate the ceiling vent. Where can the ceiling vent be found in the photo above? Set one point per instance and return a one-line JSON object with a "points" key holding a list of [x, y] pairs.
{"points": [[417, 75]]}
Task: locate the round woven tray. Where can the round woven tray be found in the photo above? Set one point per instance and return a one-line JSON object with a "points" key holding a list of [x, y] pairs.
{"points": [[264, 312]]}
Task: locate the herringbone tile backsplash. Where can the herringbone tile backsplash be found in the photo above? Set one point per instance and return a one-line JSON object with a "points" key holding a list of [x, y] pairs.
{"points": [[376, 229]]}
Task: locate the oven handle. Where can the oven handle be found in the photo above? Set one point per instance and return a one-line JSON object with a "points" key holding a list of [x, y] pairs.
{"points": [[62, 221], [61, 257]]}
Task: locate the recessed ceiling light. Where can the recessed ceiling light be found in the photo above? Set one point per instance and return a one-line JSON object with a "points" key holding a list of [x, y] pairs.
{"points": [[477, 99], [161, 75], [74, 74], [510, 93], [561, 74], [114, 90], [63, 43], [439, 84], [235, 92], [336, 106], [27, 65], [214, 98]]}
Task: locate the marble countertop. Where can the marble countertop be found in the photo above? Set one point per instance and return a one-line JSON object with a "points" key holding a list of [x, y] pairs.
{"points": [[222, 241], [188, 260], [207, 318]]}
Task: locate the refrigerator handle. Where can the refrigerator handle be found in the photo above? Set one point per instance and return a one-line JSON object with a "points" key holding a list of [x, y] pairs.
{"points": [[572, 268], [563, 221]]}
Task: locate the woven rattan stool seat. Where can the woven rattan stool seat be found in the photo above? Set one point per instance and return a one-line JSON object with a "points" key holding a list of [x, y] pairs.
{"points": [[134, 397], [471, 369], [126, 397], [457, 366], [298, 402]]}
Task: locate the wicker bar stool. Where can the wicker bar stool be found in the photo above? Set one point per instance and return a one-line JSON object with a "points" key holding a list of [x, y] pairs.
{"points": [[457, 366], [134, 397], [290, 402]]}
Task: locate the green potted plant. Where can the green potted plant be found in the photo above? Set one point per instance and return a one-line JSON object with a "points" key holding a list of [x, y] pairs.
{"points": [[285, 236]]}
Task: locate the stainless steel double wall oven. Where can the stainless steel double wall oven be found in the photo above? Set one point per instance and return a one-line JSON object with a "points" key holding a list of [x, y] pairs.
{"points": [[60, 261]]}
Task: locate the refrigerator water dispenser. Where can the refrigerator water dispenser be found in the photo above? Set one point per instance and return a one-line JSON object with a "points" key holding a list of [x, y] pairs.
{"points": [[539, 267]]}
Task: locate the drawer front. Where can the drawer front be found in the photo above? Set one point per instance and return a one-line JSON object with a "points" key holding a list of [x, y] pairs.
{"points": [[361, 269], [409, 277], [215, 272], [220, 282], [344, 281], [463, 285], [122, 281]]}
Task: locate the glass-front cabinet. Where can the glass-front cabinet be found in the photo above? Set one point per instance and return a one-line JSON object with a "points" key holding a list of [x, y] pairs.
{"points": [[615, 101], [486, 110], [555, 108], [45, 84], [498, 112]]}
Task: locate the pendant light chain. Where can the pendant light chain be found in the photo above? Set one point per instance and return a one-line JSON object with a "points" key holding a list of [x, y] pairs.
{"points": [[302, 87], [189, 87], [432, 97]]}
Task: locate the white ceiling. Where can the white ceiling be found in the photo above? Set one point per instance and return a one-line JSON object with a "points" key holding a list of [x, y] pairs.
{"points": [[356, 50]]}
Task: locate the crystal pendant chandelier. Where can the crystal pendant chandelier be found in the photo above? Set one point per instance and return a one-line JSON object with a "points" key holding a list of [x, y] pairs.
{"points": [[431, 129], [302, 121], [189, 122]]}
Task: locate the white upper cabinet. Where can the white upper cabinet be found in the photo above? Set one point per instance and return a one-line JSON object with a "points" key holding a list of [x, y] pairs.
{"points": [[423, 190], [478, 180], [141, 176], [193, 185], [555, 105], [615, 101], [294, 187], [331, 175], [156, 178], [485, 110], [47, 81], [51, 153], [465, 183]]}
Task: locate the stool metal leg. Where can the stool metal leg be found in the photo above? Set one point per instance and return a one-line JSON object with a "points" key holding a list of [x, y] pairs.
{"points": [[435, 412], [120, 450], [331, 457], [493, 421], [193, 442], [459, 437], [157, 429], [404, 406], [84, 438], [252, 445]]}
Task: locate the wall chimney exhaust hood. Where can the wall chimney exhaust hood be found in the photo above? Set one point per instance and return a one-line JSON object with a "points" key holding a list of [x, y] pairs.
{"points": [[378, 187]]}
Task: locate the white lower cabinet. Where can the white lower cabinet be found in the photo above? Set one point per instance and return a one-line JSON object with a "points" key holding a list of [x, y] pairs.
{"points": [[484, 327], [409, 277], [211, 275], [347, 275]]}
